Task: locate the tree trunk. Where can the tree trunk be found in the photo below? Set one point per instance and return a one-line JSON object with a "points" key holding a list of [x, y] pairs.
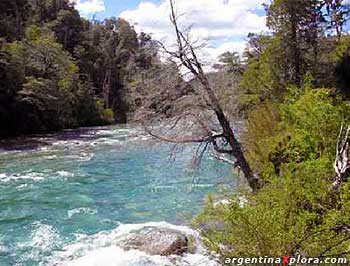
{"points": [[254, 182], [295, 48]]}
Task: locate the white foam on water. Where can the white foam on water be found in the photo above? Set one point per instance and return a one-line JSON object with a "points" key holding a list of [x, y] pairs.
{"points": [[71, 144], [85, 156], [108, 141], [65, 174], [60, 143], [116, 131], [43, 239], [3, 248], [105, 132], [51, 157], [5, 177], [22, 187], [82, 156], [102, 250], [114, 256], [157, 189], [32, 176], [73, 212], [93, 144], [138, 138], [203, 185]]}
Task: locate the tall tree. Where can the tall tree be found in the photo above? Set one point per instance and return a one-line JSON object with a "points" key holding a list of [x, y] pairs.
{"points": [[296, 23], [335, 14], [13, 14], [201, 112]]}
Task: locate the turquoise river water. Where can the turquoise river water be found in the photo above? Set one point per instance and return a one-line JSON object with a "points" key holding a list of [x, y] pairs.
{"points": [[68, 198]]}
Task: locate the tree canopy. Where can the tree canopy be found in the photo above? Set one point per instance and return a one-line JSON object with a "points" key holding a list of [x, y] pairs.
{"points": [[59, 70]]}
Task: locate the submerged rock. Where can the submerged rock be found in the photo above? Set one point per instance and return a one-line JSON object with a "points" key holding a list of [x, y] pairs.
{"points": [[156, 241]]}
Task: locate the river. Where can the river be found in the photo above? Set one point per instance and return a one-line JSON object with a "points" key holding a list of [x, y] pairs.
{"points": [[68, 198]]}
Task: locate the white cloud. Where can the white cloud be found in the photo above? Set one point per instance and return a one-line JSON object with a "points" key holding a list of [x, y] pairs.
{"points": [[89, 6], [237, 46], [223, 24]]}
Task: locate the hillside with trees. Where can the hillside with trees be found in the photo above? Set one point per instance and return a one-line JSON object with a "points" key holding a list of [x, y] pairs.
{"points": [[59, 70]]}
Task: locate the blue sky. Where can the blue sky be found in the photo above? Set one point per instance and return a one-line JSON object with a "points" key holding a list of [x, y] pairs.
{"points": [[116, 7], [106, 8]]}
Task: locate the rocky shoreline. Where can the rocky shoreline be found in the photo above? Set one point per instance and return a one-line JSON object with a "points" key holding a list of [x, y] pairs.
{"points": [[149, 244]]}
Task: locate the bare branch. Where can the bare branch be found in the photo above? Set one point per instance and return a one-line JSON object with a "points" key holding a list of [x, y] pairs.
{"points": [[179, 140], [223, 159], [200, 116]]}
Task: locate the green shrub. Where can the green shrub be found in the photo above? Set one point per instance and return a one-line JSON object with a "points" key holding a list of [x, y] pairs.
{"points": [[305, 127], [292, 146], [108, 114], [293, 215]]}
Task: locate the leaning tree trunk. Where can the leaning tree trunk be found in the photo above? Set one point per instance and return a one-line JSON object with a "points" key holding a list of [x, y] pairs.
{"points": [[187, 57], [236, 150]]}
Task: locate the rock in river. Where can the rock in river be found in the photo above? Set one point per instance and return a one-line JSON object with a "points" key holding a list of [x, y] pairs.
{"points": [[157, 241]]}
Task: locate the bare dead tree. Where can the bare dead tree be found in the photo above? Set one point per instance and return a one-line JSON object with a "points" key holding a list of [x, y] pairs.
{"points": [[342, 158], [198, 116]]}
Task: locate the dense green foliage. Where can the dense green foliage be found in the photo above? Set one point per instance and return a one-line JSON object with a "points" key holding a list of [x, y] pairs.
{"points": [[59, 70], [294, 92], [292, 146]]}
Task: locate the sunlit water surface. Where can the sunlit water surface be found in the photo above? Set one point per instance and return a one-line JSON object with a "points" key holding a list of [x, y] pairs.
{"points": [[67, 198]]}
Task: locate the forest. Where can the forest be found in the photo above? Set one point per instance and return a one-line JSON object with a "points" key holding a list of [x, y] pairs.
{"points": [[59, 70], [291, 87]]}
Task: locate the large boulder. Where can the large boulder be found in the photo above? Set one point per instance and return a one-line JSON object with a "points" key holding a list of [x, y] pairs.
{"points": [[156, 241]]}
